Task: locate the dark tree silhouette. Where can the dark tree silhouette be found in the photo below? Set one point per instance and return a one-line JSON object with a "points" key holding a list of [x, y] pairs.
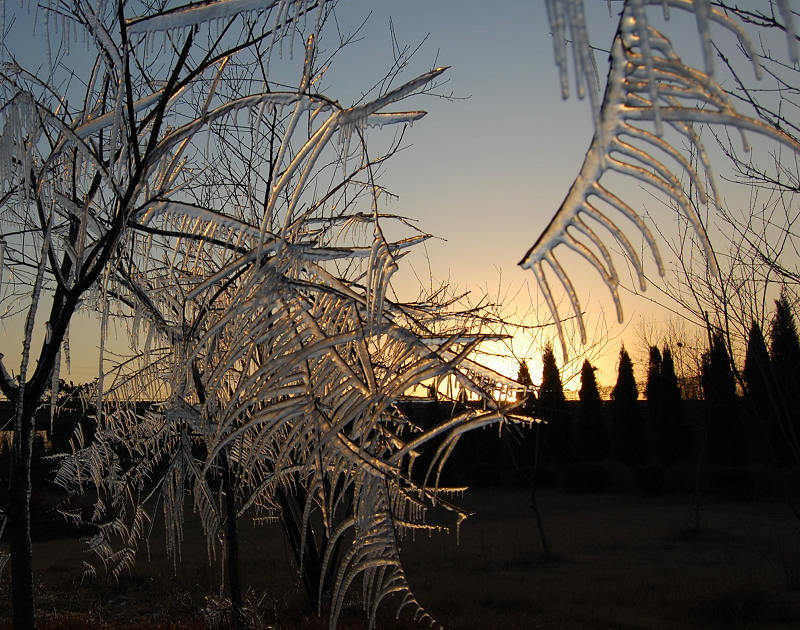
{"points": [[785, 357], [756, 372], [524, 375], [785, 346], [725, 435], [629, 442], [524, 378], [591, 442], [758, 379], [552, 408], [654, 393], [654, 390], [674, 436]]}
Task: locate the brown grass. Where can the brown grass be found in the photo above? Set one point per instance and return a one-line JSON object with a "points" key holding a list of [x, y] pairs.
{"points": [[620, 561]]}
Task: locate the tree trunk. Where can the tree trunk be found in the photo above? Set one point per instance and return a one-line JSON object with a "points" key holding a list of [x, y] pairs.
{"points": [[538, 446], [232, 546], [539, 523], [308, 557], [20, 522]]}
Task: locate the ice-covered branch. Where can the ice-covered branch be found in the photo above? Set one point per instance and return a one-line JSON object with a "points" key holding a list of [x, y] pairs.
{"points": [[647, 83], [8, 385]]}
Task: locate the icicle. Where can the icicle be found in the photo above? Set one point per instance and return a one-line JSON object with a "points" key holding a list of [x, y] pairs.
{"points": [[788, 22], [701, 14], [294, 29], [555, 14], [2, 259], [137, 320], [66, 34], [2, 59], [65, 347], [149, 338], [103, 334], [641, 28], [54, 387], [48, 37], [281, 23]]}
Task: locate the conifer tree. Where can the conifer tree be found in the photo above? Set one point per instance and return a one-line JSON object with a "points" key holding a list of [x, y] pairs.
{"points": [[553, 409], [785, 358], [654, 390], [629, 442], [523, 374], [756, 372], [760, 392], [654, 393], [675, 438], [591, 443], [725, 435], [785, 346], [524, 378]]}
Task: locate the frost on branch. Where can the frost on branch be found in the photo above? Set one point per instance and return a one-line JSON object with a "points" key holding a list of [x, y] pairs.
{"points": [[648, 88]]}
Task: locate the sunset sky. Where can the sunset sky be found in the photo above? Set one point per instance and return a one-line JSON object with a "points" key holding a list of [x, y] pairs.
{"points": [[488, 170], [485, 171]]}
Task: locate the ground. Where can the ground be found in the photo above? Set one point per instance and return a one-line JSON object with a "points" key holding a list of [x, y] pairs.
{"points": [[618, 561]]}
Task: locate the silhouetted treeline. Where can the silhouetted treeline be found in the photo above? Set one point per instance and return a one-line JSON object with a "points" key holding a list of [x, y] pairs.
{"points": [[742, 430], [772, 383]]}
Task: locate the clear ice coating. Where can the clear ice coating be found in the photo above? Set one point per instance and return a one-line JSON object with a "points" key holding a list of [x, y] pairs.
{"points": [[246, 251], [648, 88]]}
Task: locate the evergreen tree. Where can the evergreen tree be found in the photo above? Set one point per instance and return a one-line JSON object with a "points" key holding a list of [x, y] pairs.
{"points": [[591, 443], [725, 435], [653, 390], [785, 346], [523, 374], [524, 378], [756, 368], [629, 442], [552, 408], [760, 393], [654, 393], [785, 358], [674, 436]]}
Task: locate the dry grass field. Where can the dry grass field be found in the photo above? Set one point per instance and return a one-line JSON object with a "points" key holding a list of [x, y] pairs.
{"points": [[619, 561]]}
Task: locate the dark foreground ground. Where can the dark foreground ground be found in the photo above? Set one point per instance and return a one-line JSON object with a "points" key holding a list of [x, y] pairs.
{"points": [[619, 561]]}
